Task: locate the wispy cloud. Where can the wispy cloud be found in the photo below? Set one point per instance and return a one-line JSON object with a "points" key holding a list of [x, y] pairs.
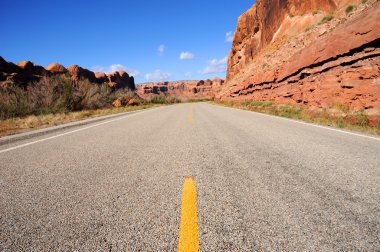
{"points": [[215, 66], [230, 36], [161, 50], [189, 74], [116, 67], [186, 56], [158, 75]]}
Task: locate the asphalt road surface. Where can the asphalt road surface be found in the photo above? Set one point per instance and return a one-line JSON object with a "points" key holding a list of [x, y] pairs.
{"points": [[263, 184]]}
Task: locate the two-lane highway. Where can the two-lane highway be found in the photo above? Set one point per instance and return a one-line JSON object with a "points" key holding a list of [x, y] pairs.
{"points": [[263, 184]]}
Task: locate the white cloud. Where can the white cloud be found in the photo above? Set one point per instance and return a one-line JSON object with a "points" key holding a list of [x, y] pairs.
{"points": [[189, 74], [230, 36], [186, 56], [161, 50], [158, 75], [116, 67], [215, 66]]}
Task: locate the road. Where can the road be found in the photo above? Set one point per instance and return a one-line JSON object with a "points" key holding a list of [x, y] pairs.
{"points": [[263, 184]]}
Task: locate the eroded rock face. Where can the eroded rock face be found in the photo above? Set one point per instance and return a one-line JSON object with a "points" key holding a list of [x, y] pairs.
{"points": [[101, 77], [197, 89], [264, 21], [78, 73], [20, 73], [121, 79], [331, 63]]}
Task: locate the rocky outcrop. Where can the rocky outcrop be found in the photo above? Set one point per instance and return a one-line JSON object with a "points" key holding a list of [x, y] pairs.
{"points": [[101, 77], [26, 72], [56, 68], [77, 73], [197, 89], [314, 64], [121, 79], [22, 72]]}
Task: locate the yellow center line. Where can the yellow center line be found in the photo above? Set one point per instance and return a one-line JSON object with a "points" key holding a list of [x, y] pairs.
{"points": [[188, 234], [190, 118]]}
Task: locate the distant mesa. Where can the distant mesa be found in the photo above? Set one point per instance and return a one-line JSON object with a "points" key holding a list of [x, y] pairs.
{"points": [[191, 89]]}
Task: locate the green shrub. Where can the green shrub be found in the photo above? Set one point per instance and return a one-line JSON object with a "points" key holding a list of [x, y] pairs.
{"points": [[364, 1], [326, 19], [265, 66], [350, 8], [261, 104], [162, 99], [290, 111], [55, 94], [362, 119], [309, 28]]}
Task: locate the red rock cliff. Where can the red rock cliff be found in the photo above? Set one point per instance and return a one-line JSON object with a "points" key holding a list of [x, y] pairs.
{"points": [[286, 51]]}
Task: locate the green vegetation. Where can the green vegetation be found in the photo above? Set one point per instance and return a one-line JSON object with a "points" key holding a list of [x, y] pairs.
{"points": [[309, 28], [197, 100], [339, 115], [162, 99], [315, 12], [364, 1], [257, 104], [350, 8], [17, 124], [265, 66], [56, 100], [326, 19], [55, 95]]}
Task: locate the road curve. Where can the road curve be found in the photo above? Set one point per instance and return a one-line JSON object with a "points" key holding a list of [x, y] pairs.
{"points": [[263, 184]]}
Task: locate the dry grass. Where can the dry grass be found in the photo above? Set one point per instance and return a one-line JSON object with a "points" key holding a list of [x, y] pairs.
{"points": [[21, 124], [340, 116]]}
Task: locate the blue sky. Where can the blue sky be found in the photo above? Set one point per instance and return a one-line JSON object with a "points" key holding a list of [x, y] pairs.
{"points": [[154, 40]]}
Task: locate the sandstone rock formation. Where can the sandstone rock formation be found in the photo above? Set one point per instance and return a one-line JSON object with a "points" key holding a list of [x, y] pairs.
{"points": [[26, 72], [279, 56], [22, 72], [197, 89], [77, 73], [56, 68], [121, 79], [101, 77]]}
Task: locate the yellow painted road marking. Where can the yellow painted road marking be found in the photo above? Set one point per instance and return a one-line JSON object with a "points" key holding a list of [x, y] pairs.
{"points": [[190, 118], [188, 234]]}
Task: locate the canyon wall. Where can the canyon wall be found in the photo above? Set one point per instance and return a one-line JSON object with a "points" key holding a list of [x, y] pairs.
{"points": [[190, 89], [307, 52], [26, 72]]}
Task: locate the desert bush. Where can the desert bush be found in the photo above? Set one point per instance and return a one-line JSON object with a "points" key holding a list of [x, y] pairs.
{"points": [[55, 94], [326, 19], [289, 111], [345, 108], [362, 119], [350, 8], [257, 103], [162, 99], [261, 104]]}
